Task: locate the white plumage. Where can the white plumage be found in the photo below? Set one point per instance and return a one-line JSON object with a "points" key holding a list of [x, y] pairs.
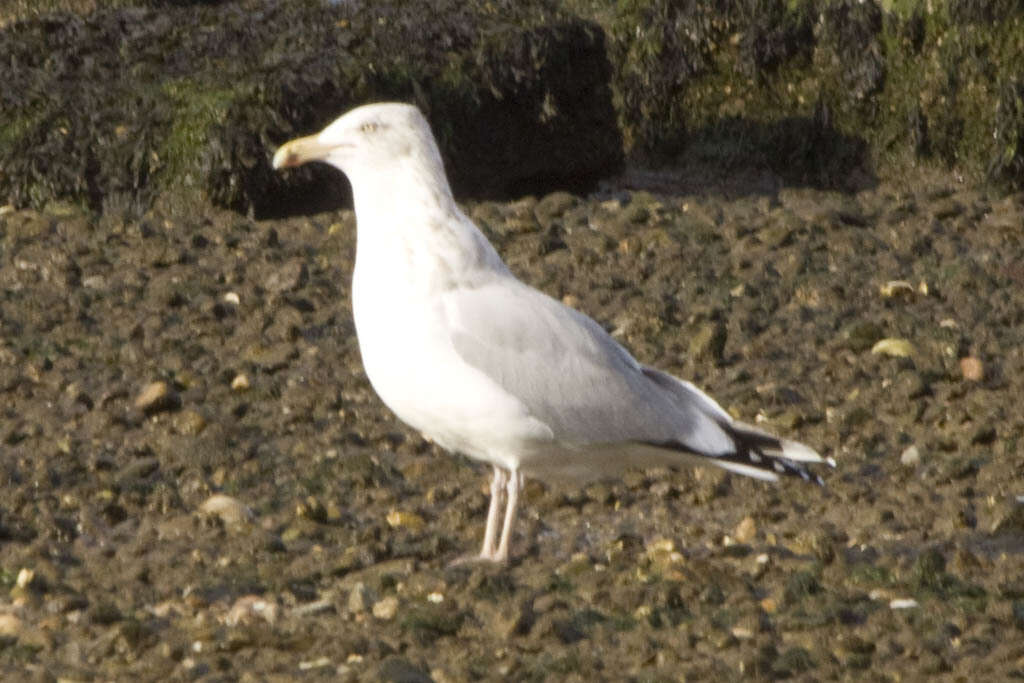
{"points": [[487, 366]]}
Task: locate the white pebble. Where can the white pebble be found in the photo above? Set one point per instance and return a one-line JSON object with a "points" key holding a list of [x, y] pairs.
{"points": [[25, 577], [227, 508], [386, 608], [903, 603], [910, 457]]}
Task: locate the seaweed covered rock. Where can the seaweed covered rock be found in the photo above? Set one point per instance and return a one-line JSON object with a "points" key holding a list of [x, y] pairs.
{"points": [[141, 100], [822, 92]]}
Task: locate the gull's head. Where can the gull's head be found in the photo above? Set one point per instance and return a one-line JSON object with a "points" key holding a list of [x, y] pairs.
{"points": [[371, 137]]}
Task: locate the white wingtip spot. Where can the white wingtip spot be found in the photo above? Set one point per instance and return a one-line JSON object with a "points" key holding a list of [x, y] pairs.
{"points": [[798, 452]]}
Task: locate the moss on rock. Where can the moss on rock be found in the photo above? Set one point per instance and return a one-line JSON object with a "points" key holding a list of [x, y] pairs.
{"points": [[817, 90], [144, 100]]}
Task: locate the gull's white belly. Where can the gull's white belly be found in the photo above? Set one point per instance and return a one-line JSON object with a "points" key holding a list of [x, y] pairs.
{"points": [[414, 368]]}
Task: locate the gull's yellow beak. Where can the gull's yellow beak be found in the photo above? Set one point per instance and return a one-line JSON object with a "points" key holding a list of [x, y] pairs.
{"points": [[299, 151]]}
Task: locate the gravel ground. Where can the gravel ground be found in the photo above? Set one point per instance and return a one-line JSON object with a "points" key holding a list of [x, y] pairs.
{"points": [[198, 482]]}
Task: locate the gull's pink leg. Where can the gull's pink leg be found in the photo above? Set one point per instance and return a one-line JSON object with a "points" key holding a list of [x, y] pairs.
{"points": [[514, 483], [487, 552]]}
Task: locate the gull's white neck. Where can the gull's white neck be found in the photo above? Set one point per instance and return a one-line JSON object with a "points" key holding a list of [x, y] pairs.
{"points": [[401, 189], [411, 231]]}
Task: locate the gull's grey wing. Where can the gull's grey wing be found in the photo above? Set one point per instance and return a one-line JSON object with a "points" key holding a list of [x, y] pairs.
{"points": [[572, 376]]}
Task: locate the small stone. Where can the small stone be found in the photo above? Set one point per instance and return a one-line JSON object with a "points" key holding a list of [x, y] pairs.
{"points": [[25, 577], [250, 608], [742, 632], [910, 457], [400, 519], [385, 609], [360, 599], [232, 298], [972, 369], [898, 348], [910, 385], [902, 603], [189, 423], [137, 470], [94, 282], [155, 397], [229, 510], [662, 554], [288, 277], [311, 508], [896, 288], [318, 663], [10, 626], [745, 530], [240, 383]]}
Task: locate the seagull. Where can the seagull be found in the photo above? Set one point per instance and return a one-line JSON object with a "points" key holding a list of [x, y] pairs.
{"points": [[487, 366]]}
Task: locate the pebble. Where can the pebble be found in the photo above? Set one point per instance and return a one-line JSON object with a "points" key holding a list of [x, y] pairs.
{"points": [[10, 625], [189, 423], [745, 530], [240, 383], [385, 609], [318, 663], [157, 396], [25, 577], [742, 632], [288, 277], [663, 555], [972, 369], [891, 346], [248, 608], [400, 519], [229, 510], [360, 599], [94, 282], [313, 608], [910, 456], [903, 603], [895, 288]]}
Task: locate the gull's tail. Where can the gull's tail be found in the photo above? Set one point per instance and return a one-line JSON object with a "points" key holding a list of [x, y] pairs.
{"points": [[755, 453], [763, 456]]}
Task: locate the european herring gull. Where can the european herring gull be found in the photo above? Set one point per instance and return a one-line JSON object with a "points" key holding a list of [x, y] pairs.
{"points": [[483, 364]]}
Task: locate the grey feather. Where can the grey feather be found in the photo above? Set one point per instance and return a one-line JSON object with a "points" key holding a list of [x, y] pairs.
{"points": [[571, 375]]}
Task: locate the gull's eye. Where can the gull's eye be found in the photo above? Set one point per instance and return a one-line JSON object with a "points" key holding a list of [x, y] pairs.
{"points": [[368, 127]]}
